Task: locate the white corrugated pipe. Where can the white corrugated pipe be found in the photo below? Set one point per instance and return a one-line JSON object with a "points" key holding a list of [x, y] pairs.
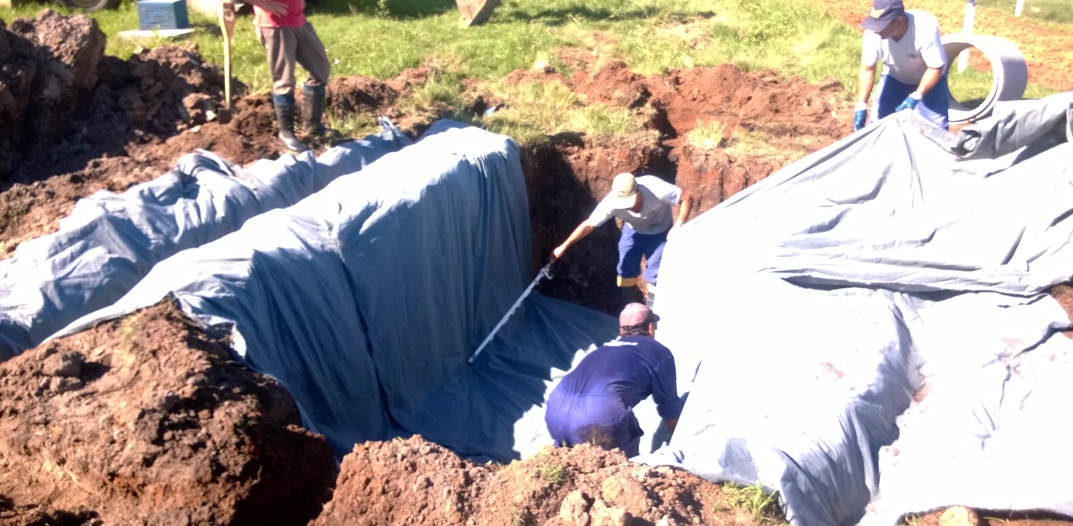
{"points": [[1007, 66]]}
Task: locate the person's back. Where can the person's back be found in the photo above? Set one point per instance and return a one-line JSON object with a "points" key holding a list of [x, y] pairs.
{"points": [[594, 402]]}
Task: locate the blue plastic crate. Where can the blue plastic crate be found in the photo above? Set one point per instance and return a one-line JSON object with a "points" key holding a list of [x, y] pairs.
{"points": [[162, 14]]}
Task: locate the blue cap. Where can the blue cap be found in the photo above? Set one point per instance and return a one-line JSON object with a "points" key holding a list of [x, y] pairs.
{"points": [[882, 14]]}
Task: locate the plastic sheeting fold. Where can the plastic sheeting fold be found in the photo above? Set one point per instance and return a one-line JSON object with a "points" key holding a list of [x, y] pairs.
{"points": [[110, 241]]}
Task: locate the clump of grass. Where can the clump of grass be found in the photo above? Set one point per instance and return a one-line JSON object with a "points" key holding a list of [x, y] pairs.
{"points": [[355, 126], [552, 471], [441, 89], [760, 503], [520, 517], [534, 110], [707, 136]]}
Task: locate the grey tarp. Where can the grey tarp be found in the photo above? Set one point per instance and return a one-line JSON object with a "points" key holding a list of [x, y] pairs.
{"points": [[366, 299], [802, 310], [111, 240]]}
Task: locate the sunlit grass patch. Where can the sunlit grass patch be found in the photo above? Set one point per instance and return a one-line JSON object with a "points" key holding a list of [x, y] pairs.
{"points": [[533, 110], [707, 136], [760, 503], [1057, 11]]}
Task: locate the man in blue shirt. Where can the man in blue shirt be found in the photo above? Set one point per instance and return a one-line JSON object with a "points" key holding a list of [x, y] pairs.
{"points": [[594, 402]]}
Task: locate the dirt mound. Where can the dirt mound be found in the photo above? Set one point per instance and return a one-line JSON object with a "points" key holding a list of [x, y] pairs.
{"points": [[70, 103], [49, 72], [359, 94], [751, 115], [147, 419], [356, 94], [416, 482]]}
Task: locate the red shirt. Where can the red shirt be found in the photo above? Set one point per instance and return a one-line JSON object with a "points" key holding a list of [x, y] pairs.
{"points": [[294, 17]]}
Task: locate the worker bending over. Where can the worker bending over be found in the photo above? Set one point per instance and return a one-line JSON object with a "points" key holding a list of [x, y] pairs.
{"points": [[914, 65], [644, 205], [289, 39], [594, 402]]}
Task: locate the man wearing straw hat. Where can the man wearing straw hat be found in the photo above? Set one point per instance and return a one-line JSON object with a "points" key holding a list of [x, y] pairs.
{"points": [[644, 204]]}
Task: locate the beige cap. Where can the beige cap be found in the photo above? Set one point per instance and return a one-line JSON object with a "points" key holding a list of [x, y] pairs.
{"points": [[623, 191]]}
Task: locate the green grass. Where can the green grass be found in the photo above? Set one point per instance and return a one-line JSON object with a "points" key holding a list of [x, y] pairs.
{"points": [[755, 500], [707, 136], [1057, 11], [552, 471], [380, 38], [536, 109]]}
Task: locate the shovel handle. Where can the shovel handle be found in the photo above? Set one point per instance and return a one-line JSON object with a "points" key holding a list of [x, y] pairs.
{"points": [[227, 25]]}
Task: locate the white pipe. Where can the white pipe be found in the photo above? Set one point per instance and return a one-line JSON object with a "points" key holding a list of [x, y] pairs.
{"points": [[1007, 67], [1020, 7]]}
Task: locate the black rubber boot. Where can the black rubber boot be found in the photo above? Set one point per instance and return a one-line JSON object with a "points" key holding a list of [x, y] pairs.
{"points": [[313, 112], [285, 120]]}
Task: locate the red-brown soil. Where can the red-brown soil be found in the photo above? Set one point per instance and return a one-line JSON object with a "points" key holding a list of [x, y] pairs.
{"points": [[148, 419], [1044, 46], [792, 116], [961, 516], [416, 482]]}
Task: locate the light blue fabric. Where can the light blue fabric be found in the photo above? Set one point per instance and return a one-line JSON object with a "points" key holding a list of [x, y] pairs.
{"points": [[111, 241], [806, 310]]}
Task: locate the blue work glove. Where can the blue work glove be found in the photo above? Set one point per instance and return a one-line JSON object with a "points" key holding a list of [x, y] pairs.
{"points": [[910, 102], [859, 118]]}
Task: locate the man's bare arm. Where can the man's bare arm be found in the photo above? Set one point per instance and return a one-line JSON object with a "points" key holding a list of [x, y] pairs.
{"points": [[581, 231]]}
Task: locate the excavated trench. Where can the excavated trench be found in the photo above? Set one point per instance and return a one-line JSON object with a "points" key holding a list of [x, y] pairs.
{"points": [[175, 432]]}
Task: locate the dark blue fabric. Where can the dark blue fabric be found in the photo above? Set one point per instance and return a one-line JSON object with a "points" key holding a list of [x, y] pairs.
{"points": [[631, 246], [935, 106], [594, 402]]}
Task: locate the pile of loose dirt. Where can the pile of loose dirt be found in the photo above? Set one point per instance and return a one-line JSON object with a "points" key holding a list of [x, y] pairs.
{"points": [[151, 110], [84, 122], [70, 103], [48, 75], [356, 94], [148, 420], [416, 482], [792, 117]]}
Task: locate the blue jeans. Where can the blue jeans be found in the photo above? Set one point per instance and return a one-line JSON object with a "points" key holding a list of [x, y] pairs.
{"points": [[935, 106], [631, 246]]}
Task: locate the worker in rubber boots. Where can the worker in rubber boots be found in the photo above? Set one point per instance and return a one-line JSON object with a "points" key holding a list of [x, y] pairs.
{"points": [[914, 65], [289, 39], [645, 206], [594, 402]]}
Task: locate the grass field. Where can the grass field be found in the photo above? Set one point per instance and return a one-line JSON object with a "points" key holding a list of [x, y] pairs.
{"points": [[1058, 11], [380, 38]]}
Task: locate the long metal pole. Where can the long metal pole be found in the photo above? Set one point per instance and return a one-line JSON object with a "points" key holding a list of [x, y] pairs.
{"points": [[544, 272]]}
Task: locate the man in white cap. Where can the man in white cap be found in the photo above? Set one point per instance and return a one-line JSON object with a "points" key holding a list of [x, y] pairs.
{"points": [[644, 204], [914, 65], [594, 402]]}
